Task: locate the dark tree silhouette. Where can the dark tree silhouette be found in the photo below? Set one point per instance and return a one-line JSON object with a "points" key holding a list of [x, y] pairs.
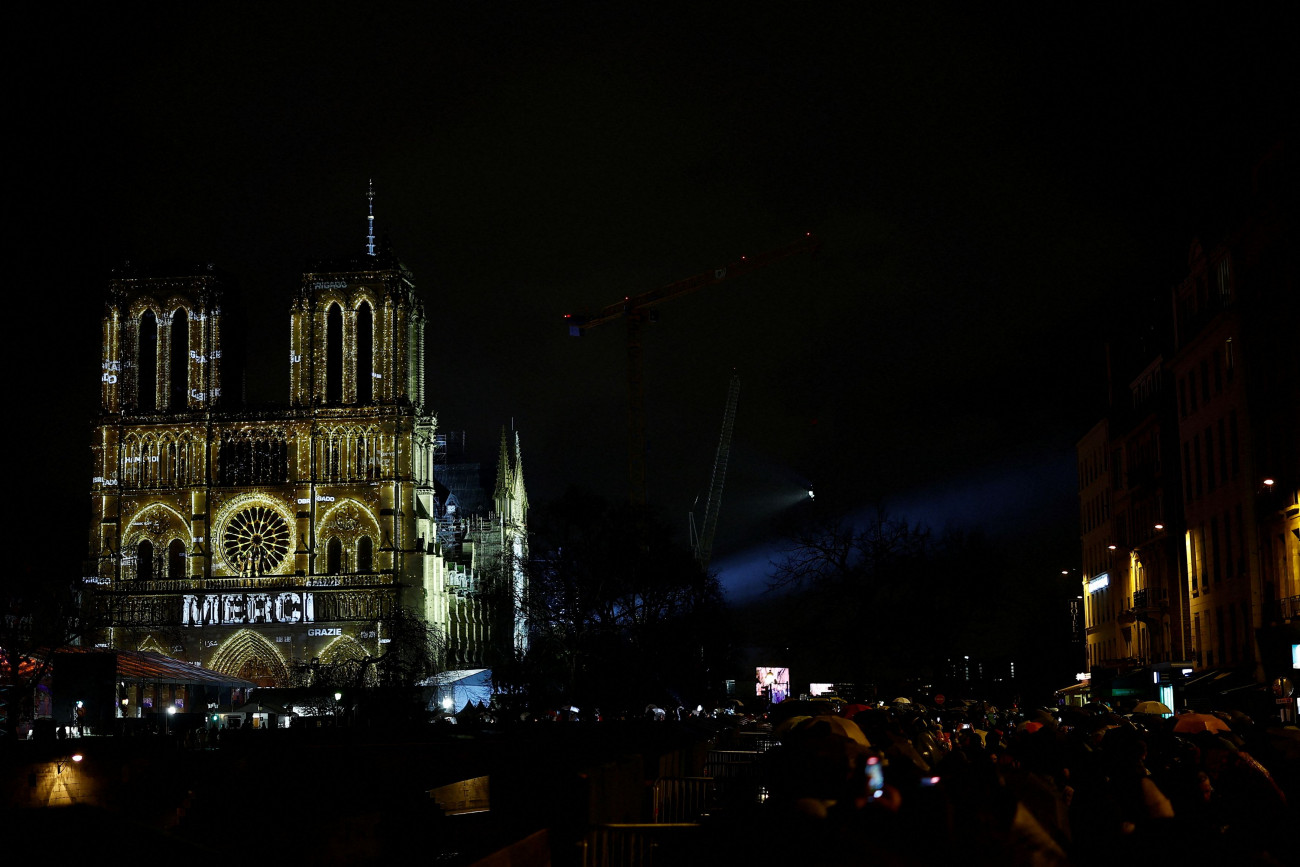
{"points": [[40, 616], [619, 614]]}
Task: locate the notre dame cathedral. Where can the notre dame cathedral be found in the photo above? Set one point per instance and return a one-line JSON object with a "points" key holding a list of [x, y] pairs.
{"points": [[251, 541]]}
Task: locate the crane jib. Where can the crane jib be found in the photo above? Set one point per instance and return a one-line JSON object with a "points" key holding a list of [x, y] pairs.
{"points": [[634, 310], [631, 304]]}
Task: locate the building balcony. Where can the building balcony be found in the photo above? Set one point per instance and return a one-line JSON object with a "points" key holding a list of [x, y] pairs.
{"points": [[1123, 663], [1149, 601]]}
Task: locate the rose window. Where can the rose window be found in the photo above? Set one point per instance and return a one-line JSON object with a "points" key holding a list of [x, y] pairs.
{"points": [[256, 540]]}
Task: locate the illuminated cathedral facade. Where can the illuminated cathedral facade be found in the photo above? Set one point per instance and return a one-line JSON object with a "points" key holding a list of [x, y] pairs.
{"points": [[257, 541]]}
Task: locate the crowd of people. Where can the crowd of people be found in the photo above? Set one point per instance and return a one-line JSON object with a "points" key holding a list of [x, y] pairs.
{"points": [[976, 784]]}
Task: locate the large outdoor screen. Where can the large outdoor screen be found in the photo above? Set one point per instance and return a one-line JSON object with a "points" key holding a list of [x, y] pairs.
{"points": [[772, 683]]}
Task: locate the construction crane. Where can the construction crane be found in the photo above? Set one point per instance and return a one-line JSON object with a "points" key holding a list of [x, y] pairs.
{"points": [[635, 310], [702, 541]]}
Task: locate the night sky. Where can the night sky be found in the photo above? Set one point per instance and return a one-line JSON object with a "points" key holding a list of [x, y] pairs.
{"points": [[992, 193]]}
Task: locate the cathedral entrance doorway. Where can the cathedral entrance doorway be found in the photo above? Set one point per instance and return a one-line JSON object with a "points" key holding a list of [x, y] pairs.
{"points": [[249, 655], [257, 671]]}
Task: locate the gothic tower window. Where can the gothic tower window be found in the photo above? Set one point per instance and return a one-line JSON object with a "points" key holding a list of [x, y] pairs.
{"points": [[256, 458], [147, 364], [149, 463], [365, 554], [334, 556], [365, 354], [131, 454], [180, 360], [334, 355], [332, 453], [176, 559], [144, 560]]}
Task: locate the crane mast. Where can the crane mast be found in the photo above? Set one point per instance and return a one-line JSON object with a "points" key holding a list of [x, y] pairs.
{"points": [[703, 543]]}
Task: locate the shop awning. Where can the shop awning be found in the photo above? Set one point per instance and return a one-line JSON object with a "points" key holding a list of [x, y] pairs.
{"points": [[141, 666], [1203, 687]]}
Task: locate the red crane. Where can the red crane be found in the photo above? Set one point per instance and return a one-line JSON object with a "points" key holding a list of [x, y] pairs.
{"points": [[634, 310]]}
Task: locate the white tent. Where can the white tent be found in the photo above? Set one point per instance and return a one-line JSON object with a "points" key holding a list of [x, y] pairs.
{"points": [[453, 690]]}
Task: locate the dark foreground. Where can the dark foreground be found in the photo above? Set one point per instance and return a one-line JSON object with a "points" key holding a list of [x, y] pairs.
{"points": [[1085, 788]]}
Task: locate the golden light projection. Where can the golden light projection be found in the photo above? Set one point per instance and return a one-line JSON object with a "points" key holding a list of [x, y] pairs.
{"points": [[248, 654], [254, 534], [273, 536], [256, 540]]}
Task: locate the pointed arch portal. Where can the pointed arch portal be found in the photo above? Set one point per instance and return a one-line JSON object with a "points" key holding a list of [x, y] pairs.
{"points": [[345, 650], [249, 655]]}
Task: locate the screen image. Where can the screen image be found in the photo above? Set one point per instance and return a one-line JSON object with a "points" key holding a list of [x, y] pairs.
{"points": [[772, 683]]}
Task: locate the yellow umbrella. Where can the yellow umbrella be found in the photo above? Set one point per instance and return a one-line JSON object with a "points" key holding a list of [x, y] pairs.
{"points": [[1151, 707], [836, 725]]}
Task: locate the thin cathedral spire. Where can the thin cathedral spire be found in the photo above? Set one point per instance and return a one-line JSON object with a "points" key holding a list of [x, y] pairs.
{"points": [[370, 220]]}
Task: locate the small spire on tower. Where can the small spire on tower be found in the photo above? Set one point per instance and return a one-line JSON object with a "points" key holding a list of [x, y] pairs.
{"points": [[504, 490], [520, 495], [370, 220]]}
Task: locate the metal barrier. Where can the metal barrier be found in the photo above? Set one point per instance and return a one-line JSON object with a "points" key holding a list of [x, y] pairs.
{"points": [[737, 776], [665, 845], [681, 799], [759, 742], [729, 764]]}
